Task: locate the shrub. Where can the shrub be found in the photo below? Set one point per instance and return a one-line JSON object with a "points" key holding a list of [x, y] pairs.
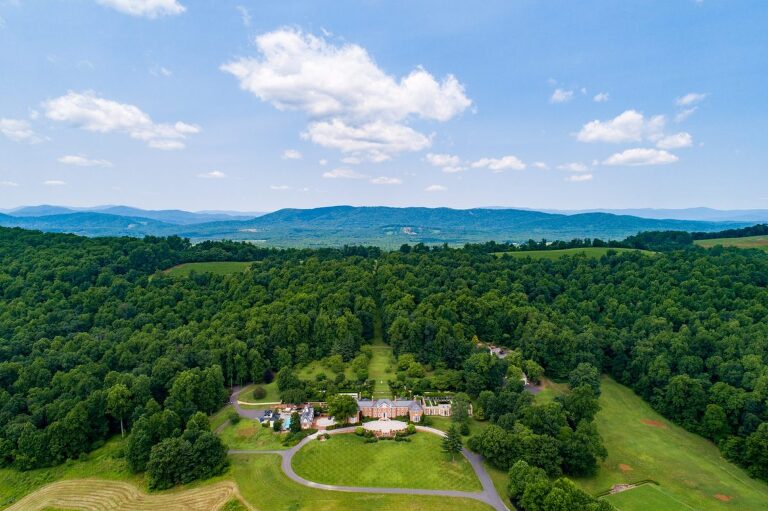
{"points": [[411, 429], [360, 431], [259, 392], [233, 417]]}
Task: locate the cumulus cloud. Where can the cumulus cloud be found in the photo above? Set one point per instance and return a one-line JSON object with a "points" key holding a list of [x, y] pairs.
{"points": [[383, 180], [435, 188], [354, 105], [499, 164], [92, 113], [342, 173], [575, 178], [601, 97], [676, 141], [145, 8], [561, 96], [82, 161], [18, 130], [54, 182], [573, 167], [291, 154], [447, 162], [214, 174], [629, 126], [640, 156], [690, 99]]}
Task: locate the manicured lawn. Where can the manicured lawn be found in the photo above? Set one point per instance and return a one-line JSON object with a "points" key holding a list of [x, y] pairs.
{"points": [[273, 394], [265, 486], [500, 481], [348, 461], [443, 423], [216, 267], [380, 369], [642, 444], [311, 370], [648, 496], [550, 390], [250, 434], [595, 252], [760, 242], [220, 417]]}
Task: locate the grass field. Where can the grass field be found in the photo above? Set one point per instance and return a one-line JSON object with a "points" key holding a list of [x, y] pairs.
{"points": [[760, 242], [250, 434], [348, 461], [311, 370], [443, 423], [273, 395], [380, 369], [642, 444], [217, 268], [648, 496], [595, 252], [263, 484]]}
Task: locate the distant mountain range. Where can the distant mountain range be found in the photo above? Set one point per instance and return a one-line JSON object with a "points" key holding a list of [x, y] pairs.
{"points": [[339, 225]]}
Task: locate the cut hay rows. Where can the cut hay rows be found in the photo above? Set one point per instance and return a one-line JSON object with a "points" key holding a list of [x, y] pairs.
{"points": [[98, 495]]}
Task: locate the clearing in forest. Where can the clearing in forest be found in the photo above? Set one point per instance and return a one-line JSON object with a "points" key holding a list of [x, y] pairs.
{"points": [[380, 369], [595, 252], [214, 267], [760, 242]]}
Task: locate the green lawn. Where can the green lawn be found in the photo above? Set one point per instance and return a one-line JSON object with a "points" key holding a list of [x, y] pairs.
{"points": [[380, 369], [550, 390], [348, 461], [500, 481], [760, 242], [556, 254], [311, 370], [250, 434], [216, 267], [443, 423], [265, 486], [643, 445], [273, 394], [649, 496]]}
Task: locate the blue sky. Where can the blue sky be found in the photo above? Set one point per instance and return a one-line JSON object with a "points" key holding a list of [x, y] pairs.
{"points": [[259, 105]]}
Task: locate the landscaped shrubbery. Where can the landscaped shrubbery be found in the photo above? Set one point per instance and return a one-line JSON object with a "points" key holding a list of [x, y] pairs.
{"points": [[259, 393]]}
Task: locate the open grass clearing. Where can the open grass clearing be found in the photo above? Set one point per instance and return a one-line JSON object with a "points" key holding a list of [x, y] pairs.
{"points": [[642, 444], [381, 368], [215, 267], [760, 242], [250, 434], [595, 252], [647, 496], [347, 460], [443, 423], [272, 396], [310, 371], [262, 482]]}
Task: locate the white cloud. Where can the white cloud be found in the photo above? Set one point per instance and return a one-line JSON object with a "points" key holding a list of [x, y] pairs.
{"points": [[342, 173], [435, 188], [676, 141], [355, 106], [684, 114], [8, 184], [447, 162], [573, 167], [245, 15], [82, 161], [214, 174], [323, 162], [691, 98], [292, 154], [160, 71], [18, 130], [579, 177], [540, 165], [629, 126], [561, 96], [601, 97], [640, 156], [146, 8], [351, 160], [383, 180], [279, 187], [92, 113], [54, 182], [499, 164]]}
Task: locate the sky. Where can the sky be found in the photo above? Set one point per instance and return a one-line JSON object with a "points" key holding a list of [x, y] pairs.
{"points": [[261, 105]]}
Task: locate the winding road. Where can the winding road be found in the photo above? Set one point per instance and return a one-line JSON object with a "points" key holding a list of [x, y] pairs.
{"points": [[488, 495]]}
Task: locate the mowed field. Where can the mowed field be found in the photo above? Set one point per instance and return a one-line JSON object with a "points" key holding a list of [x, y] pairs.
{"points": [[760, 242], [216, 267], [691, 473], [347, 460], [595, 252], [380, 369]]}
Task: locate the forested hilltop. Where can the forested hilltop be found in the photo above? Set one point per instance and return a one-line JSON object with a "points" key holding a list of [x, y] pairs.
{"points": [[95, 338]]}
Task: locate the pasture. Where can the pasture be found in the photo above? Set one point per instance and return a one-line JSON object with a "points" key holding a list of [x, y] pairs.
{"points": [[759, 242], [592, 252], [216, 268], [347, 460]]}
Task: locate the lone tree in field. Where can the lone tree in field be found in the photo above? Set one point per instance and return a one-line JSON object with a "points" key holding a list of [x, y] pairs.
{"points": [[119, 403], [452, 442], [342, 407]]}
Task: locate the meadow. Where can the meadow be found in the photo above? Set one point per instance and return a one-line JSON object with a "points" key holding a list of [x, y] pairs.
{"points": [[760, 242], [216, 267], [595, 252], [347, 460], [250, 434]]}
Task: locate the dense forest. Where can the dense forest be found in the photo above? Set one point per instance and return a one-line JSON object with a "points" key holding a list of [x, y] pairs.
{"points": [[95, 340]]}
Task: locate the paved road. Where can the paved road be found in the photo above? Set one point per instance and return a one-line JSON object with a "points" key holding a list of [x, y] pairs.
{"points": [[487, 495], [244, 412]]}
